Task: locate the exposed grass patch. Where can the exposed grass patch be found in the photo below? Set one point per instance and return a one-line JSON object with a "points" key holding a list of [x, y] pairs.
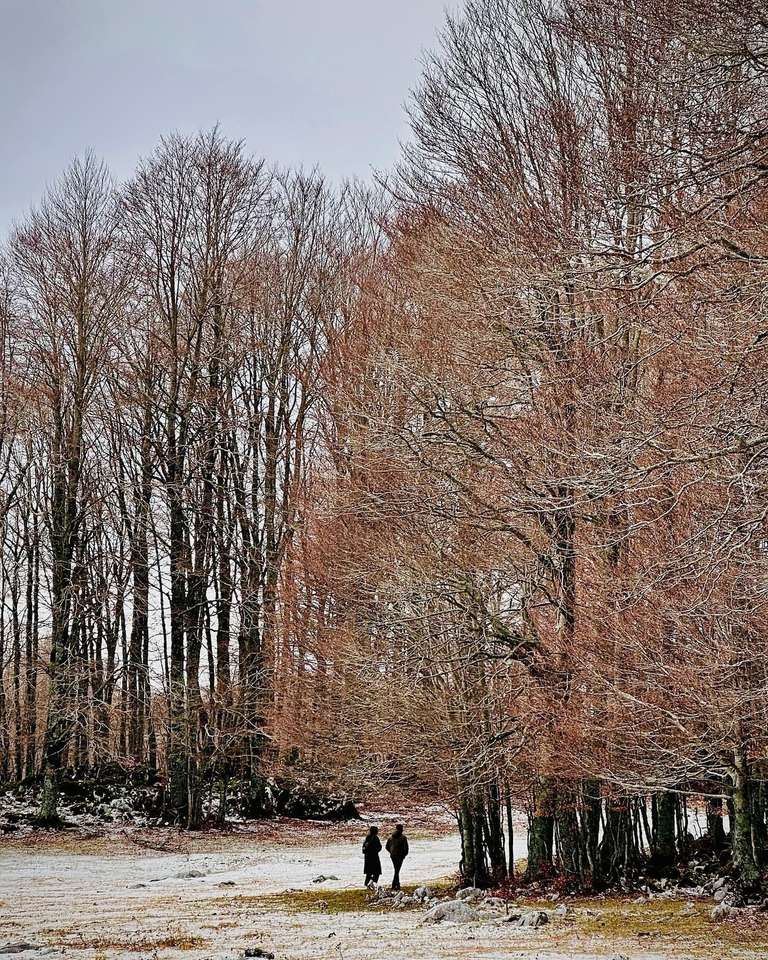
{"points": [[662, 923], [330, 901], [138, 943]]}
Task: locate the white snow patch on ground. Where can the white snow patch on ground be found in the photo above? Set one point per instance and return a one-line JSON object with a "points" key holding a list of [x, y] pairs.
{"points": [[92, 906]]}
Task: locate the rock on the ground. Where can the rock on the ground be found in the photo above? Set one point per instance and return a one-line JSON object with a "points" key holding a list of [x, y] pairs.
{"points": [[401, 899], [534, 918], [470, 893], [721, 893], [495, 902], [381, 895], [724, 911], [453, 911], [322, 878], [258, 952]]}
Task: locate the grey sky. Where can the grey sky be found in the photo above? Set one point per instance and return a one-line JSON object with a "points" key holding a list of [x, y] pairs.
{"points": [[302, 82]]}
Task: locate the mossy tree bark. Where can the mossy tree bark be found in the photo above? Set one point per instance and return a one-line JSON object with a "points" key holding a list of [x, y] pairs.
{"points": [[741, 830], [571, 852]]}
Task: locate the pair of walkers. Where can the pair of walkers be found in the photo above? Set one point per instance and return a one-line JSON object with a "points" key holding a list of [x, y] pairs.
{"points": [[397, 848]]}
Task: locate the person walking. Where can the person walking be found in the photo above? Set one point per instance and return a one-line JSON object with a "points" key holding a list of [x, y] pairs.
{"points": [[397, 848], [372, 861]]}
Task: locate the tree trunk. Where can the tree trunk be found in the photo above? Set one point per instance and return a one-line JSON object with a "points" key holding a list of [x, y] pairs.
{"points": [[741, 829], [541, 833], [715, 829], [664, 851]]}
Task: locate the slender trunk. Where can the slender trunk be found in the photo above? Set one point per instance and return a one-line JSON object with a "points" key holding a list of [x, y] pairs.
{"points": [[138, 666], [664, 851], [541, 833], [31, 649], [16, 674], [60, 687], [176, 805], [5, 752], [570, 847], [741, 830], [510, 836], [715, 829]]}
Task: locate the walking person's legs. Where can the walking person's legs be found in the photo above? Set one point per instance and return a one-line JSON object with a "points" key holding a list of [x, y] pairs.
{"points": [[396, 878]]}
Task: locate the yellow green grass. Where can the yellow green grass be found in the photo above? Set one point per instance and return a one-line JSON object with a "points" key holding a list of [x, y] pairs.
{"points": [[332, 901], [660, 925], [138, 944]]}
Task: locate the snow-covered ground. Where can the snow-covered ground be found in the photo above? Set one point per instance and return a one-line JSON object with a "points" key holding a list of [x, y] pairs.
{"points": [[118, 899]]}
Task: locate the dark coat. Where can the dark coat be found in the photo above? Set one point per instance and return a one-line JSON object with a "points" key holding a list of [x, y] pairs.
{"points": [[397, 846], [371, 851]]}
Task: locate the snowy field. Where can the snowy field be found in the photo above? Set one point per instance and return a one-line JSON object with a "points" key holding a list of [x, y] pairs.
{"points": [[216, 897]]}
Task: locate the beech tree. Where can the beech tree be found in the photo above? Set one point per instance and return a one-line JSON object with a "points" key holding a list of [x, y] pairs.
{"points": [[457, 483], [69, 291]]}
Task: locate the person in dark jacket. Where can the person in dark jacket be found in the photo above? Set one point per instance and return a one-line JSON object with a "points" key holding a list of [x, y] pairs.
{"points": [[397, 848], [371, 851]]}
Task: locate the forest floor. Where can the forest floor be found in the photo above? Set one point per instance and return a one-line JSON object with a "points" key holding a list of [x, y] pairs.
{"points": [[162, 895]]}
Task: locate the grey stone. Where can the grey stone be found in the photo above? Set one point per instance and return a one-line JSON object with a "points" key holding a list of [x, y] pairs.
{"points": [[534, 918], [495, 902], [470, 893], [724, 911], [454, 911]]}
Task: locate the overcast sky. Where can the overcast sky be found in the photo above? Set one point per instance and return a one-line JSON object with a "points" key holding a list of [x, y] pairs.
{"points": [[303, 82]]}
